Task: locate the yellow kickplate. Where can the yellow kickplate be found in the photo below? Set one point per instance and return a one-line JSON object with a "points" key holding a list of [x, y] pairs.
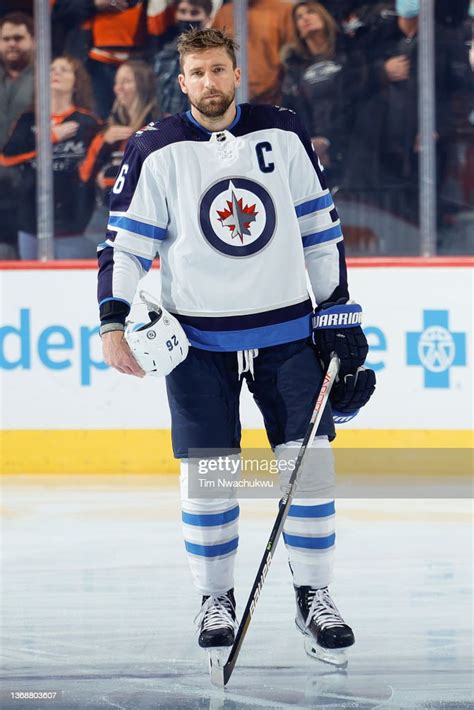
{"points": [[148, 451]]}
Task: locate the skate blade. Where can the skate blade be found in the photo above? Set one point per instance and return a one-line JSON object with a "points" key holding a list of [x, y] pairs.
{"points": [[217, 660], [333, 656]]}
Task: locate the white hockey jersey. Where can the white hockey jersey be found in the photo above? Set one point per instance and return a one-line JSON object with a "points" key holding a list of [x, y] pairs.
{"points": [[232, 215]]}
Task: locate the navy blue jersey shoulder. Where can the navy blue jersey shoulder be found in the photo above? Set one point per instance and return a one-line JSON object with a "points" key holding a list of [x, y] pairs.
{"points": [[262, 117], [166, 131]]}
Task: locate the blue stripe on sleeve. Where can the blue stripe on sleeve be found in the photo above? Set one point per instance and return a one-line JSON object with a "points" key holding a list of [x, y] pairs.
{"points": [[140, 228], [324, 236], [312, 511], [212, 550], [210, 519], [113, 298], [310, 543], [317, 203]]}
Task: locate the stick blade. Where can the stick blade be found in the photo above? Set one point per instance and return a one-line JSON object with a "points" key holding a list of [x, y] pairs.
{"points": [[227, 670]]}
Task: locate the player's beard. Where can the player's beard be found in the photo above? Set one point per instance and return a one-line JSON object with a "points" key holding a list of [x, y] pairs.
{"points": [[215, 107]]}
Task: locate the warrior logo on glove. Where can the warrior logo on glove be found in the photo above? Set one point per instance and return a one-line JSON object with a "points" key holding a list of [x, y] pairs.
{"points": [[337, 329]]}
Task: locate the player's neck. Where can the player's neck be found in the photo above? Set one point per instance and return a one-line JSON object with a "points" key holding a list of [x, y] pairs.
{"points": [[219, 123]]}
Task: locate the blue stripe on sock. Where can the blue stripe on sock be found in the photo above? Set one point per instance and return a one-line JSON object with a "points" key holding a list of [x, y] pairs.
{"points": [[212, 550], [310, 543], [312, 511], [210, 519]]}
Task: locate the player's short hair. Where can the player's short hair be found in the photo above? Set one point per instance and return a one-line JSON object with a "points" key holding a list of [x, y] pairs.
{"points": [[199, 40], [19, 18]]}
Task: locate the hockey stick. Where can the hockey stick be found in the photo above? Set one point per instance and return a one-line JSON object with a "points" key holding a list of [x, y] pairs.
{"points": [[220, 674]]}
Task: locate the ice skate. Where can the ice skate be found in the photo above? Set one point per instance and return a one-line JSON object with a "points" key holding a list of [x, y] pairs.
{"points": [[326, 634], [217, 625]]}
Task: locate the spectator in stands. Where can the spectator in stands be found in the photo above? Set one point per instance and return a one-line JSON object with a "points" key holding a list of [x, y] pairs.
{"points": [[322, 84], [386, 139], [73, 129], [189, 14], [135, 106], [104, 34], [365, 24], [16, 96], [270, 27]]}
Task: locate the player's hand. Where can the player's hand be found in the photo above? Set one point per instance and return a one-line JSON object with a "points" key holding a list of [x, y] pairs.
{"points": [[354, 391], [117, 133], [117, 354], [111, 5], [337, 329], [65, 130], [397, 68]]}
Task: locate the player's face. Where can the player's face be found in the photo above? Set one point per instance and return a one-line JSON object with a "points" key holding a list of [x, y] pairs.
{"points": [[16, 46], [209, 80]]}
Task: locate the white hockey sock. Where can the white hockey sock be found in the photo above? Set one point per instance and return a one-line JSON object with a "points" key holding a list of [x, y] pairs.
{"points": [[309, 531], [210, 527]]}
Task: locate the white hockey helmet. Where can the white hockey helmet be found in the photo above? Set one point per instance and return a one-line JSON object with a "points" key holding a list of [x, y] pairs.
{"points": [[160, 345]]}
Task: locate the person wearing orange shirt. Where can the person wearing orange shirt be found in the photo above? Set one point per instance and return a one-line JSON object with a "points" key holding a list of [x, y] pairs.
{"points": [[105, 33], [270, 27], [73, 128], [134, 106]]}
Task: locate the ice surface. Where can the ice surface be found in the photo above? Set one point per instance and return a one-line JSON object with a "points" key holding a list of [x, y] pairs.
{"points": [[97, 603]]}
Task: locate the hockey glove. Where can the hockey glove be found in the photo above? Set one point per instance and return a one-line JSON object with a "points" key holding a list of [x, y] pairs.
{"points": [[336, 328], [351, 393]]}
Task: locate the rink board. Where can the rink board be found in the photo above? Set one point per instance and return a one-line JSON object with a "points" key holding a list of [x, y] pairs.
{"points": [[64, 411]]}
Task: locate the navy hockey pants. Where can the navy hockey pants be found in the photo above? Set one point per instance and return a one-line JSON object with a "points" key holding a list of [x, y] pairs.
{"points": [[204, 392]]}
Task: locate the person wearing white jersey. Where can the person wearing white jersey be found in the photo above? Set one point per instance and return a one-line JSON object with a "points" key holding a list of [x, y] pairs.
{"points": [[234, 200]]}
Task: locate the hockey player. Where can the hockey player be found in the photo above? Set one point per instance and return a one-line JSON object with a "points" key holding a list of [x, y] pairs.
{"points": [[234, 200]]}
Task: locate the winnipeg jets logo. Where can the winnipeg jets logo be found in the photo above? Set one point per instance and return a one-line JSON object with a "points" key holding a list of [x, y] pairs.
{"points": [[237, 217]]}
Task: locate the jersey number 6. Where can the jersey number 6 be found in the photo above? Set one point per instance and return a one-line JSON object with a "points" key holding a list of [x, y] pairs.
{"points": [[120, 181]]}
